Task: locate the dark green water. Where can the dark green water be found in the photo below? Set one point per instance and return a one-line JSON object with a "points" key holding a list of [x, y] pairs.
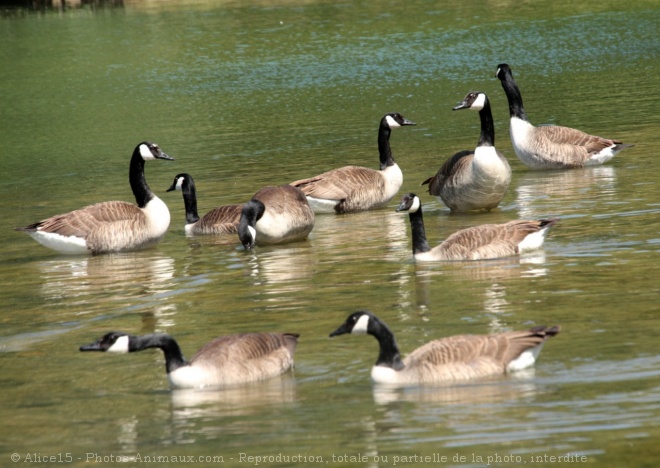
{"points": [[247, 94]]}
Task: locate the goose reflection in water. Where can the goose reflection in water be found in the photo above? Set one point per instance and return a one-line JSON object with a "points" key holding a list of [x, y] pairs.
{"points": [[75, 277], [87, 285], [491, 272], [513, 386], [538, 193]]}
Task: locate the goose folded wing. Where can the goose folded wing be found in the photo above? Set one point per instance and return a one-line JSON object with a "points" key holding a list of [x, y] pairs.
{"points": [[339, 184], [80, 222]]}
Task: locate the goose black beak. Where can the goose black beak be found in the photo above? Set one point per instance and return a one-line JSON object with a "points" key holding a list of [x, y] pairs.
{"points": [[462, 105], [342, 330], [91, 347], [162, 155]]}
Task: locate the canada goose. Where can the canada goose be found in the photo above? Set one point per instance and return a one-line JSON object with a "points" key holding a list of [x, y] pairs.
{"points": [[275, 215], [482, 242], [352, 188], [227, 360], [473, 179], [455, 358], [110, 226], [551, 146], [220, 220]]}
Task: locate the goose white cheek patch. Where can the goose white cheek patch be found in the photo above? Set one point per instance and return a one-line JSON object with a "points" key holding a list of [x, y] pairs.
{"points": [[361, 325], [120, 346], [479, 103], [145, 152], [391, 122]]}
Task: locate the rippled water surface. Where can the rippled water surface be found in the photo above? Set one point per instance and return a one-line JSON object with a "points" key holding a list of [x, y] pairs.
{"points": [[247, 94]]}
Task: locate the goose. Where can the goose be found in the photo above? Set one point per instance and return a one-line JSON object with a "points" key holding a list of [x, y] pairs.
{"points": [[227, 360], [552, 146], [473, 179], [275, 215], [110, 226], [220, 220], [486, 241], [451, 359], [351, 189]]}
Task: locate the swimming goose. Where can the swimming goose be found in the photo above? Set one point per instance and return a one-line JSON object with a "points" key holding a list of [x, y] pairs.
{"points": [[455, 358], [352, 188], [473, 179], [110, 226], [486, 241], [220, 220], [275, 215], [227, 360], [552, 146]]}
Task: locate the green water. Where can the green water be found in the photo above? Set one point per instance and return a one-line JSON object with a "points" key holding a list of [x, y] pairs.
{"points": [[247, 94]]}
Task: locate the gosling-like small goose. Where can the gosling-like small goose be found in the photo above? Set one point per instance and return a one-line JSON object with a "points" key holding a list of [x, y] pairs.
{"points": [[351, 189], [486, 241], [220, 220], [275, 215], [451, 359], [110, 226], [552, 146], [227, 360], [473, 179]]}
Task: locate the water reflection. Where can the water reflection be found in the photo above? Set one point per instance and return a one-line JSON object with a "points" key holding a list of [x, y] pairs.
{"points": [[233, 401], [287, 267], [515, 386], [113, 277], [489, 273], [545, 193]]}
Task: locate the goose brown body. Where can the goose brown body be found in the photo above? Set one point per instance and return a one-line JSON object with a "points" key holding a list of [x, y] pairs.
{"points": [[351, 189], [227, 360], [473, 179], [220, 220], [552, 146], [110, 226], [451, 359], [465, 357], [275, 215], [485, 241]]}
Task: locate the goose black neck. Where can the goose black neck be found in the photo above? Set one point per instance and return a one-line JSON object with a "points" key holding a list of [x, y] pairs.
{"points": [[190, 202], [487, 137], [252, 212], [389, 354], [138, 182], [420, 244], [384, 149], [513, 96], [173, 357]]}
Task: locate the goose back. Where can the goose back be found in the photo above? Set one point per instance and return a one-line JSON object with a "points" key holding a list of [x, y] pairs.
{"points": [[466, 357], [488, 240], [282, 215], [485, 241], [237, 359], [351, 189], [220, 220]]}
